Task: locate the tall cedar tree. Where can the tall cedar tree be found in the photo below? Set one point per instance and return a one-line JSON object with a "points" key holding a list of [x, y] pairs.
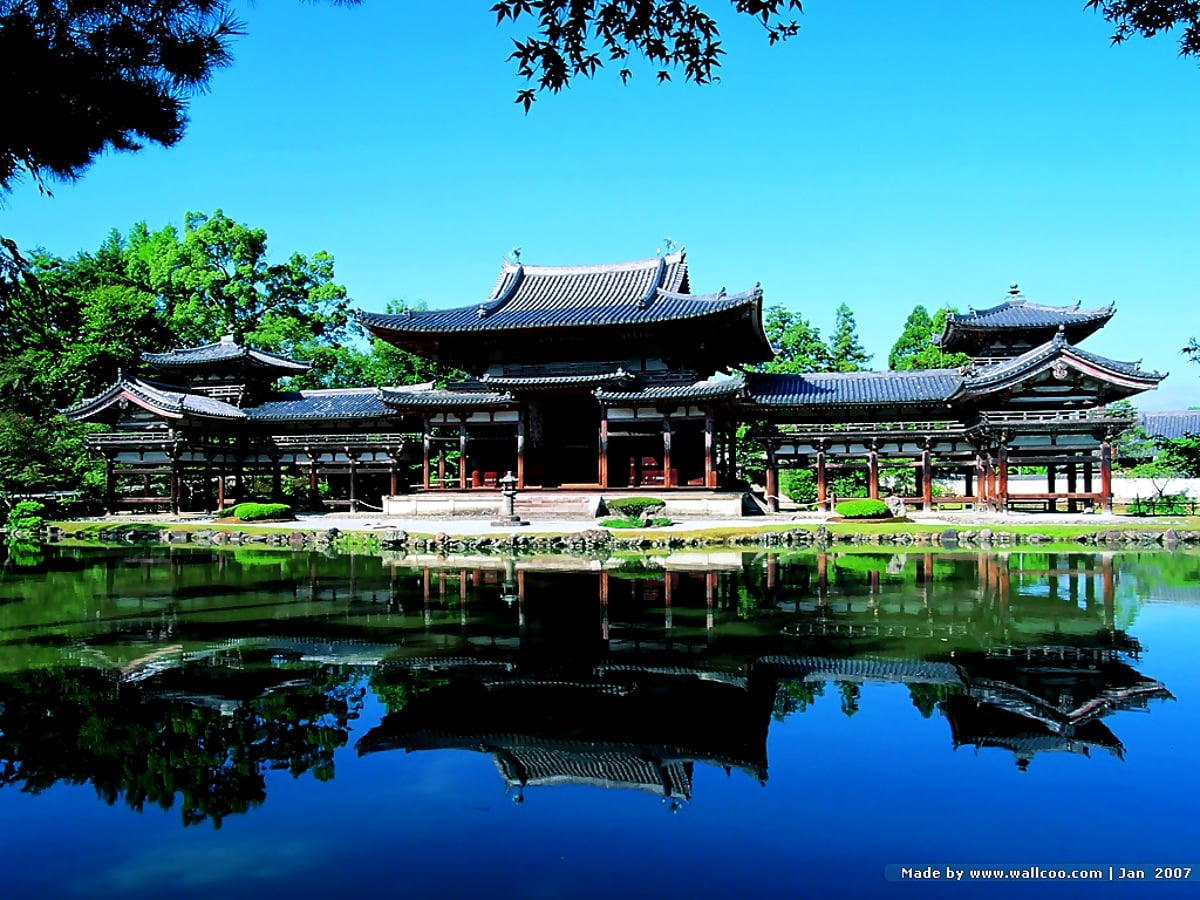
{"points": [[798, 345], [845, 350]]}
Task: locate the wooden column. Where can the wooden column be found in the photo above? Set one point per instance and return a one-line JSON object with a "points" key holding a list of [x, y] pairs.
{"points": [[1052, 485], [108, 484], [604, 604], [822, 481], [313, 491], [667, 451], [710, 472], [462, 456], [276, 479], [981, 477], [873, 474], [1087, 478], [221, 485], [926, 479], [1106, 497], [521, 449], [441, 468], [602, 461], [352, 457], [1002, 477], [425, 452], [174, 487], [969, 483], [991, 478], [1072, 488], [772, 482], [392, 485]]}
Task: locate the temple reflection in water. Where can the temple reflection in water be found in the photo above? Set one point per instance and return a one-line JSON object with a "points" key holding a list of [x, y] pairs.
{"points": [[616, 672]]}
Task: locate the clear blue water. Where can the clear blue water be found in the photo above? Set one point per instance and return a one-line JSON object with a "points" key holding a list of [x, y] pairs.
{"points": [[249, 723]]}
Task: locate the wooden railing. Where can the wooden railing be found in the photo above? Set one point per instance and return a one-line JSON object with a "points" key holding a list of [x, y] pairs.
{"points": [[300, 441], [1099, 416], [807, 429]]}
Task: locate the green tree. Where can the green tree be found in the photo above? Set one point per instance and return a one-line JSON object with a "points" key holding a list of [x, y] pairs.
{"points": [[917, 346], [381, 364], [798, 345], [845, 350], [216, 279]]}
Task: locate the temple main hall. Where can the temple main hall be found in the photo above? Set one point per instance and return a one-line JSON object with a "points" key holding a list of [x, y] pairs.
{"points": [[599, 380]]}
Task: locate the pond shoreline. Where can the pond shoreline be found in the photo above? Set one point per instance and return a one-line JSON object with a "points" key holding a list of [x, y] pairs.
{"points": [[331, 533]]}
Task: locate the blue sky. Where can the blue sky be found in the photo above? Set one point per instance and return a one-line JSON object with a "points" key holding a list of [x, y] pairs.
{"points": [[890, 154]]}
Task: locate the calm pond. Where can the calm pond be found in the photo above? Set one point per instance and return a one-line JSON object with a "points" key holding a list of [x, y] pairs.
{"points": [[247, 722]]}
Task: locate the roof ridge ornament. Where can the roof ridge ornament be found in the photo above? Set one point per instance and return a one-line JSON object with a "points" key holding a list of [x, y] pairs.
{"points": [[655, 284], [1014, 295]]}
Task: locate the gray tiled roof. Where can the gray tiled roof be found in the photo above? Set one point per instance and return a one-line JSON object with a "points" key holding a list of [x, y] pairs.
{"points": [[1040, 356], [680, 393], [1172, 425], [1017, 312], [525, 297], [169, 400], [853, 388], [344, 403], [225, 350], [429, 398], [564, 380]]}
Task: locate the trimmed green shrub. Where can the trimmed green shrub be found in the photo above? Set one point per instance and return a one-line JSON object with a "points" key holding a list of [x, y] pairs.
{"points": [[863, 509], [635, 523], [633, 507], [25, 517], [800, 485], [249, 512]]}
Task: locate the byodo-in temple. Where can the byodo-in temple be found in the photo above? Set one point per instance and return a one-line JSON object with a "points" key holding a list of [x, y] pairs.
{"points": [[587, 381]]}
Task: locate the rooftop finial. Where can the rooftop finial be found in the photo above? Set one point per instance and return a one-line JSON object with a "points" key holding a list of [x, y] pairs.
{"points": [[1014, 290], [515, 253], [669, 243]]}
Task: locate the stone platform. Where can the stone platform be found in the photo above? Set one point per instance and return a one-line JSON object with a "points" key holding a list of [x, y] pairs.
{"points": [[543, 504]]}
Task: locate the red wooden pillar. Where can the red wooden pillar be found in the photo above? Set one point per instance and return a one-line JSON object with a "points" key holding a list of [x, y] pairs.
{"points": [[604, 604], [221, 486], [392, 476], [1052, 486], [1002, 477], [441, 467], [822, 481], [1108, 593], [462, 456], [1087, 478], [1106, 497], [425, 452], [108, 483], [352, 458], [991, 478], [175, 487], [1072, 487], [926, 479], [521, 449], [873, 474], [772, 482], [667, 450], [602, 461], [710, 593], [710, 472], [969, 483]]}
